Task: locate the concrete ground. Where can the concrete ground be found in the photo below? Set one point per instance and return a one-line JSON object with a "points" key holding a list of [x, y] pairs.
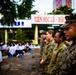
{"points": [[26, 65]]}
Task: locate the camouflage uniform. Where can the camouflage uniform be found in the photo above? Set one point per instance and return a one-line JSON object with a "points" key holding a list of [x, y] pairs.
{"points": [[68, 63], [41, 46], [48, 52], [55, 59], [48, 49]]}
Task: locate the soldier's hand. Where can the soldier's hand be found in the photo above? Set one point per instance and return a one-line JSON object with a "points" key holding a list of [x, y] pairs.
{"points": [[42, 61]]}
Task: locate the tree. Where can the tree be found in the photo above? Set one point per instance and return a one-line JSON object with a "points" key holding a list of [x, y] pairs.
{"points": [[25, 9], [8, 10], [63, 10], [20, 36]]}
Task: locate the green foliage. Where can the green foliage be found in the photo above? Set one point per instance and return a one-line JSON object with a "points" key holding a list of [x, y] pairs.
{"points": [[25, 9], [62, 10], [20, 36], [2, 34], [8, 10], [9, 40], [28, 40]]}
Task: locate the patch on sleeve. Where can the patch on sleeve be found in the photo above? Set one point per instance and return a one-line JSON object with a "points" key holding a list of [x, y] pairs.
{"points": [[52, 47]]}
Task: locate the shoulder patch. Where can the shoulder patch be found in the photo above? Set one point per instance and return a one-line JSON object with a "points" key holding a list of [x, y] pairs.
{"points": [[52, 47]]}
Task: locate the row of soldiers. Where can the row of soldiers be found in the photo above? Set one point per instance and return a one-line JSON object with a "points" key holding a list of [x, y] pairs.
{"points": [[58, 58]]}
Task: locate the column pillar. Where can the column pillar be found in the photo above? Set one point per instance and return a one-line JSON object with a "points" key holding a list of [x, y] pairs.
{"points": [[36, 35], [6, 35]]}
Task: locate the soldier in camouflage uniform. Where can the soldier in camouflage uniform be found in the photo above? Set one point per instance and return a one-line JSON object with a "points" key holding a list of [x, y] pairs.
{"points": [[68, 62], [55, 59], [42, 37], [48, 48]]}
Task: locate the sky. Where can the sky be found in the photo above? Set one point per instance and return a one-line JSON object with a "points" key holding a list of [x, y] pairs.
{"points": [[43, 6]]}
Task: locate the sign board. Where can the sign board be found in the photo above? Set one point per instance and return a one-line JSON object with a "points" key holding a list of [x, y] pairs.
{"points": [[48, 19], [19, 24]]}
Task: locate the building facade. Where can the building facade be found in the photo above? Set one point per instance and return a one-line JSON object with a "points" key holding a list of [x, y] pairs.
{"points": [[74, 5], [69, 3]]}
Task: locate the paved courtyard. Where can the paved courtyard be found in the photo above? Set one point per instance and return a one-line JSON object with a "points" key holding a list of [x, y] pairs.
{"points": [[26, 65]]}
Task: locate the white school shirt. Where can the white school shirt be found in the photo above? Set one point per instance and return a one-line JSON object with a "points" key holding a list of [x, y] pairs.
{"points": [[4, 47], [23, 47], [0, 56], [12, 50], [19, 47]]}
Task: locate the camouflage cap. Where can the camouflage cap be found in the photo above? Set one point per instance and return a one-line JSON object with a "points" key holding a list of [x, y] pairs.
{"points": [[66, 25], [69, 21]]}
